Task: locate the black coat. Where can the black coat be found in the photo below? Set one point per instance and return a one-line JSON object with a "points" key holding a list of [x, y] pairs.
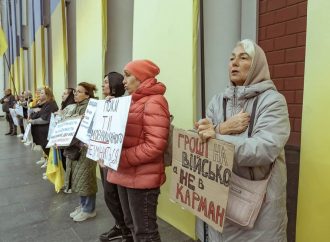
{"points": [[40, 131], [9, 104]]}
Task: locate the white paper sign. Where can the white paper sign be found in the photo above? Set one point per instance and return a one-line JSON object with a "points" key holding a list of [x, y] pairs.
{"points": [[13, 115], [64, 132], [54, 119], [19, 110], [108, 131], [27, 132], [84, 130]]}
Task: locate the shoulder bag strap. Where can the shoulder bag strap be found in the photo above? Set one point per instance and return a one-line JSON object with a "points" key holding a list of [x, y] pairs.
{"points": [[224, 107], [253, 115]]}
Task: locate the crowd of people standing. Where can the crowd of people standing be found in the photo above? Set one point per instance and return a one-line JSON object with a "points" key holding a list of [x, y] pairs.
{"points": [[134, 187], [250, 114]]}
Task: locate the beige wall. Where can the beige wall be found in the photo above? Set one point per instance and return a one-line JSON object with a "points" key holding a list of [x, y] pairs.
{"points": [[89, 42]]}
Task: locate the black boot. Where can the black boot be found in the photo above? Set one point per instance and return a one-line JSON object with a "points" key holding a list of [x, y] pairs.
{"points": [[127, 238], [113, 234], [14, 131], [11, 128], [127, 235]]}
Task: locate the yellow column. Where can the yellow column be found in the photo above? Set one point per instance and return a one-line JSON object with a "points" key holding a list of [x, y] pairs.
{"points": [[22, 80], [104, 32], [34, 66], [89, 43], [16, 75], [314, 179], [40, 65], [164, 32], [58, 53]]}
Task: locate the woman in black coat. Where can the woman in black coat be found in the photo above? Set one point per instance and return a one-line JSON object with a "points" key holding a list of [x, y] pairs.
{"points": [[41, 118]]}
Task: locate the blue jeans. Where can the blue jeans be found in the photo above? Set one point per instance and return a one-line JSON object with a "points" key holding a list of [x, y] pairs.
{"points": [[88, 203], [140, 207]]}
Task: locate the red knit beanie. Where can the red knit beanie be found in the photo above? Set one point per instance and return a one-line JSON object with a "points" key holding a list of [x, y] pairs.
{"points": [[142, 69]]}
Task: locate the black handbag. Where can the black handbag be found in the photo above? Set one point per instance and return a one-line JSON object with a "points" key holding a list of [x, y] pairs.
{"points": [[73, 151]]}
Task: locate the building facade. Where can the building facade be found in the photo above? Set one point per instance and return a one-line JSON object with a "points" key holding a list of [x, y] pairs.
{"points": [[63, 42]]}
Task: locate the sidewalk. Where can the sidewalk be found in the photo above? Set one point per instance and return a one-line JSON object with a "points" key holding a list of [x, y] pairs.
{"points": [[30, 209]]}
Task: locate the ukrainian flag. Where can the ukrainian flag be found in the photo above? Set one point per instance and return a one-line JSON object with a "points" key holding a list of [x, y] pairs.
{"points": [[55, 171]]}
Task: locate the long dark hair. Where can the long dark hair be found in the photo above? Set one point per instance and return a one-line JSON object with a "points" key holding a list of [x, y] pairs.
{"points": [[69, 100], [116, 85]]}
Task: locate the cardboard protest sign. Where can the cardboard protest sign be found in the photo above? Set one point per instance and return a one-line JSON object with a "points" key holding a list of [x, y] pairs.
{"points": [[200, 176], [14, 116], [27, 132], [108, 131], [84, 130], [64, 132]]}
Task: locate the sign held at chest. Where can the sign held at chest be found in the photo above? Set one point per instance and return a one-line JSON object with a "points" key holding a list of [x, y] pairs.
{"points": [[200, 176]]}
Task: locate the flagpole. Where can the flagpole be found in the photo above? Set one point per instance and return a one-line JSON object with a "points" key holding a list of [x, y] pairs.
{"points": [[11, 77]]}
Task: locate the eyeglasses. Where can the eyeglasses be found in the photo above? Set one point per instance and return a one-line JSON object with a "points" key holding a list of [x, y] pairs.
{"points": [[77, 92]]}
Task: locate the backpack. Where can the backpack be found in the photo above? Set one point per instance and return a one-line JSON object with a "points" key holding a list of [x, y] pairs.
{"points": [[169, 147]]}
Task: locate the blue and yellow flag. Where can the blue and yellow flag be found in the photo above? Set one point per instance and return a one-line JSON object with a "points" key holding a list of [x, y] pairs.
{"points": [[3, 42], [55, 171]]}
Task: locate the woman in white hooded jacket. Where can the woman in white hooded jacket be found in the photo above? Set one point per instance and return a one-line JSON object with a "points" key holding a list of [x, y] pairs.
{"points": [[255, 155]]}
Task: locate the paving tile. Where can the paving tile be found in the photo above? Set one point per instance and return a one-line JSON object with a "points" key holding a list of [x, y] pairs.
{"points": [[31, 211], [61, 235]]}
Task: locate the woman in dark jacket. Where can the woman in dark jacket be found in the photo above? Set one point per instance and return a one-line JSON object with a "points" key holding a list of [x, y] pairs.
{"points": [[8, 102], [41, 118]]}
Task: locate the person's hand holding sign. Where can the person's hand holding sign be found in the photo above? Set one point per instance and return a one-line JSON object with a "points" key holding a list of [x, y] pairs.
{"points": [[205, 129], [108, 98], [101, 163]]}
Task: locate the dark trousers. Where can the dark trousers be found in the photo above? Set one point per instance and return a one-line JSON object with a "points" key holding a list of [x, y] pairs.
{"points": [[22, 129], [63, 160], [21, 125], [140, 207], [12, 127], [111, 198]]}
